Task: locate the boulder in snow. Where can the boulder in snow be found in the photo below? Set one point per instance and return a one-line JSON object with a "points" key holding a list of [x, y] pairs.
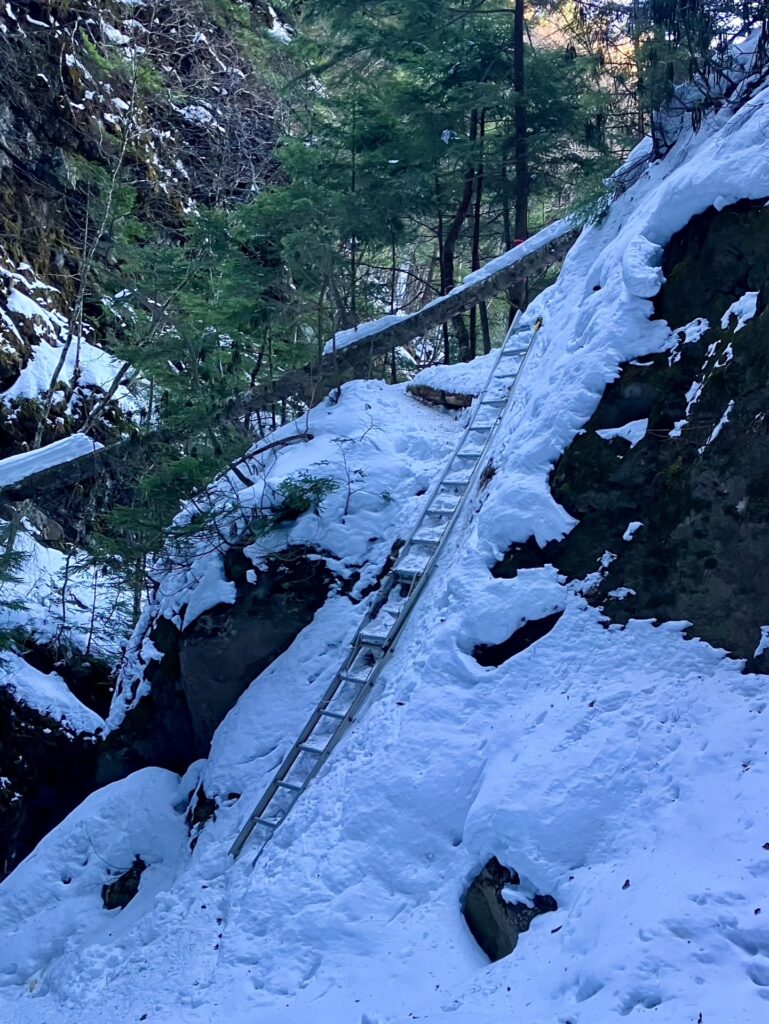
{"points": [[495, 919]]}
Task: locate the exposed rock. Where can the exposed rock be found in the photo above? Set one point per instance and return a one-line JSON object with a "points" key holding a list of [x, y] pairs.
{"points": [[205, 668], [492, 655], [698, 481], [88, 677], [118, 894], [66, 88], [201, 810], [496, 922], [45, 772]]}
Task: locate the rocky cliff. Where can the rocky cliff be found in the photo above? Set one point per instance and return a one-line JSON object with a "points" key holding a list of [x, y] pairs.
{"points": [[162, 108], [668, 478]]}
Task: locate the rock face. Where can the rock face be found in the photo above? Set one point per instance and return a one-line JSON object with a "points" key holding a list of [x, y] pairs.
{"points": [[66, 92], [698, 480], [497, 922], [206, 667], [45, 772], [118, 894]]}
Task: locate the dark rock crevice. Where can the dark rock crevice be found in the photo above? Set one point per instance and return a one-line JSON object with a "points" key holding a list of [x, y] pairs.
{"points": [[46, 770]]}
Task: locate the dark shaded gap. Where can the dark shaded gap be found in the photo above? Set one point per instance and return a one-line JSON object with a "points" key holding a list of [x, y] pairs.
{"points": [[528, 555], [493, 655]]}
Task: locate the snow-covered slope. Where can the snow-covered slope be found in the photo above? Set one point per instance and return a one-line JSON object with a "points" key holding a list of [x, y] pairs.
{"points": [[622, 770]]}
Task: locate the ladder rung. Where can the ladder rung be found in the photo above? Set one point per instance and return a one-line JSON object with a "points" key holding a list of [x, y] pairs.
{"points": [[291, 786], [355, 680], [486, 427], [373, 639], [497, 403], [266, 823], [333, 714], [408, 575], [506, 376], [439, 511], [425, 540], [468, 455], [307, 749]]}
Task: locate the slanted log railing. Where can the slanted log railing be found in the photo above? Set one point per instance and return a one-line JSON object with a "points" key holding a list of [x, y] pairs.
{"points": [[310, 383]]}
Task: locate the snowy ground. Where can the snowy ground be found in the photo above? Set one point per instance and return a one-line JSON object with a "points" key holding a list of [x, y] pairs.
{"points": [[622, 770]]}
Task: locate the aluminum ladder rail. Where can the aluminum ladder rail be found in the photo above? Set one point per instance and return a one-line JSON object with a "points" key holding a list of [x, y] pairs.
{"points": [[375, 638]]}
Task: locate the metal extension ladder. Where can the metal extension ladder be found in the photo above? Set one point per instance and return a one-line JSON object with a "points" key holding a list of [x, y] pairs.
{"points": [[375, 638]]}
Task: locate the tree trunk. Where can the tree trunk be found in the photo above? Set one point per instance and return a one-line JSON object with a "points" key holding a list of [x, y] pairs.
{"points": [[485, 332], [441, 268], [452, 237], [475, 257], [521, 141]]}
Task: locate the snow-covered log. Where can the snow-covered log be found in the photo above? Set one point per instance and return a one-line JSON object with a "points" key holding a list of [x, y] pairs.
{"points": [[350, 353], [80, 463], [17, 468]]}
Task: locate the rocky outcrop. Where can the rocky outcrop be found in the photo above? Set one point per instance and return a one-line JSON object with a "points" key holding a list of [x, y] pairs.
{"points": [[495, 915], [683, 512], [204, 668], [202, 127], [118, 894], [46, 770]]}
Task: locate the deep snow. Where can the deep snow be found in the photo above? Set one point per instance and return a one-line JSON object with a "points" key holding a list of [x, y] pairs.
{"points": [[622, 770]]}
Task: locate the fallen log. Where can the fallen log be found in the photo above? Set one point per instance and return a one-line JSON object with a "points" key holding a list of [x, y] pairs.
{"points": [[352, 358], [116, 458]]}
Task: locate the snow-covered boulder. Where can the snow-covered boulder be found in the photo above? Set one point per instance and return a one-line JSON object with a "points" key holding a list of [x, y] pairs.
{"points": [[453, 386], [229, 603]]}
